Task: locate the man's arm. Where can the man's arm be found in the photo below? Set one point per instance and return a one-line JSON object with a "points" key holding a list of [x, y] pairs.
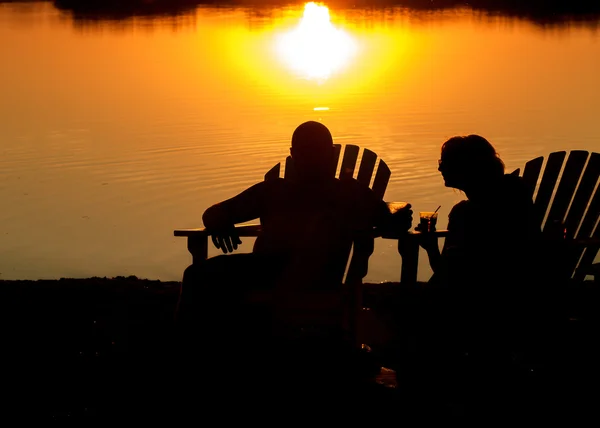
{"points": [[221, 218], [239, 209]]}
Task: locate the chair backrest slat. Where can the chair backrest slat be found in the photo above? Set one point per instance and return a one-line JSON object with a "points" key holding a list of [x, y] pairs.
{"points": [[585, 230], [566, 186], [367, 166], [349, 161], [591, 216], [273, 172], [532, 173], [382, 177], [337, 148], [581, 201], [546, 188]]}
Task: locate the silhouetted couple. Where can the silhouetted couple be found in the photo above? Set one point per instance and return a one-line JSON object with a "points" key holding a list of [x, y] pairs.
{"points": [[293, 278]]}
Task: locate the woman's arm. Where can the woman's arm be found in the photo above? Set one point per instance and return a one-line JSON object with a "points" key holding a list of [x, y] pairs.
{"points": [[434, 255], [451, 242]]}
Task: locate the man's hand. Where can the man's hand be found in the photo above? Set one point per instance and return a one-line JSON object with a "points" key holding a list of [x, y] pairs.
{"points": [[402, 219], [226, 239], [401, 216]]}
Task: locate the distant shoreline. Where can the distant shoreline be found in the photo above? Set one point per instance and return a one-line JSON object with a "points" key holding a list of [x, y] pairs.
{"points": [[537, 10], [130, 280], [91, 280]]}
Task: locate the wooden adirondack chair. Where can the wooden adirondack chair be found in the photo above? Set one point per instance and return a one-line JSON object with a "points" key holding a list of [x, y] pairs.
{"points": [[198, 238], [567, 199]]}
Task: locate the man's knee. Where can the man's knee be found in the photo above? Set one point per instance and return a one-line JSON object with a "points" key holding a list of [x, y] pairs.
{"points": [[192, 273], [206, 270]]}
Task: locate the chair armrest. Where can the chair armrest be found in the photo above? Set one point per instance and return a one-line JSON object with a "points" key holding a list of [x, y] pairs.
{"points": [[439, 233], [409, 234], [191, 232], [197, 239], [242, 230]]}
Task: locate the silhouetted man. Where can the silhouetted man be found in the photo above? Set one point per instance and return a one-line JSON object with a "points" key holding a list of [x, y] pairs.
{"points": [[308, 224]]}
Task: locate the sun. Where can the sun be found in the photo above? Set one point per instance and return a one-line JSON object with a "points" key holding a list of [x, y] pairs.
{"points": [[315, 48]]}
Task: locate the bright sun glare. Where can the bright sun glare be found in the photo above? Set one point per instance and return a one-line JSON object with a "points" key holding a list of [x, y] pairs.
{"points": [[315, 48]]}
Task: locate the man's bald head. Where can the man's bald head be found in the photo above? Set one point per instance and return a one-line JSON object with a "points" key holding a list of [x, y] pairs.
{"points": [[312, 151], [312, 135]]}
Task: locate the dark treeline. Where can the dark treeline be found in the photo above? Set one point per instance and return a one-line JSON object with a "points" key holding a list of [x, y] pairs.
{"points": [[537, 10], [123, 9]]}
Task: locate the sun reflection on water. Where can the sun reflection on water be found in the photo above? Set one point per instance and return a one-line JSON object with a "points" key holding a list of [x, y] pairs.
{"points": [[315, 48]]}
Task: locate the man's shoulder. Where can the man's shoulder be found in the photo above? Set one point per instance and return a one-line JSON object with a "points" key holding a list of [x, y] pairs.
{"points": [[272, 184], [262, 190]]}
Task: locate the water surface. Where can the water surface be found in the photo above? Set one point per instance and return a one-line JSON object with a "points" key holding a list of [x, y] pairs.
{"points": [[114, 132]]}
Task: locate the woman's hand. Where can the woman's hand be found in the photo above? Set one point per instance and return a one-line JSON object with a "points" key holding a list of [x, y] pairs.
{"points": [[427, 240]]}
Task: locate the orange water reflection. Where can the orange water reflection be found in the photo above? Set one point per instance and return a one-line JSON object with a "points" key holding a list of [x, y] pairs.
{"points": [[317, 56], [120, 131]]}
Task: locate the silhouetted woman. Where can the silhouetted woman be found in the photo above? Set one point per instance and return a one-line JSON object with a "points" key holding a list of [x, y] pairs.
{"points": [[482, 290], [490, 231]]}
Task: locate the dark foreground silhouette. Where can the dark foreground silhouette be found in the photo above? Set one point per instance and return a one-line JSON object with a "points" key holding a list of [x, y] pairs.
{"points": [[99, 350]]}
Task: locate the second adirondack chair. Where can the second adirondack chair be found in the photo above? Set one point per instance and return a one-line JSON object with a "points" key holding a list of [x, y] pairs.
{"points": [[567, 201]]}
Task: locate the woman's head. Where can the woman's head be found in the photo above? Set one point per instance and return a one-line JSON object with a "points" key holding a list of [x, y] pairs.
{"points": [[467, 161]]}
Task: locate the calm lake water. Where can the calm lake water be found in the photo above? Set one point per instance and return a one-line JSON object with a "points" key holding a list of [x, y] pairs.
{"points": [[115, 132]]}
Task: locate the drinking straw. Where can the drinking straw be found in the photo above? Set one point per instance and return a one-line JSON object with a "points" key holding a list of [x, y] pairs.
{"points": [[436, 210]]}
